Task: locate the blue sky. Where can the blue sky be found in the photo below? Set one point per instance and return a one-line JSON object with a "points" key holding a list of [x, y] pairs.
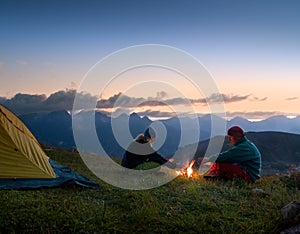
{"points": [[249, 47]]}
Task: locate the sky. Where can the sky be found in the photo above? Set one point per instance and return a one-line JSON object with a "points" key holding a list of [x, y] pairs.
{"points": [[250, 48]]}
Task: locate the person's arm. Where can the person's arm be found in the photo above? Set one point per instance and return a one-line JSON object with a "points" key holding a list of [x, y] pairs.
{"points": [[155, 157], [236, 154], [231, 155]]}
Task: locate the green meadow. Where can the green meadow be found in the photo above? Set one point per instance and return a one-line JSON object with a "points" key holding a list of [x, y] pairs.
{"points": [[185, 205]]}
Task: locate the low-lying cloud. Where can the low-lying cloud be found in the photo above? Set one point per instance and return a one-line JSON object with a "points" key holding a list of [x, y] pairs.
{"points": [[253, 115], [28, 103], [120, 100], [291, 98], [63, 100]]}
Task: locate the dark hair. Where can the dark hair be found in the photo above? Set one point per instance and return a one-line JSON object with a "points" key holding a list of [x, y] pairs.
{"points": [[236, 131], [150, 133]]}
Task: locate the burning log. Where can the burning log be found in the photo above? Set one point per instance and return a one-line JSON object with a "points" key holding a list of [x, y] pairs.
{"points": [[188, 171]]}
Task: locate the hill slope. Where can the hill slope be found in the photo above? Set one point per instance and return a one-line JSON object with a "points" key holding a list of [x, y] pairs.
{"points": [[181, 206]]}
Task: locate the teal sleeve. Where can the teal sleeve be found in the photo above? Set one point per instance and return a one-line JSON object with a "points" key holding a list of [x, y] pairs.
{"points": [[236, 154]]}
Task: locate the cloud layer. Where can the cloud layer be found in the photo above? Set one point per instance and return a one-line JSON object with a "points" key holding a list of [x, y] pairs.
{"points": [[28, 103], [291, 98], [120, 100], [63, 100]]}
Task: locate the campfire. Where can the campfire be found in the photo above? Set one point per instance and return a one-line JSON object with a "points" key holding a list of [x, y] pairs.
{"points": [[188, 171]]}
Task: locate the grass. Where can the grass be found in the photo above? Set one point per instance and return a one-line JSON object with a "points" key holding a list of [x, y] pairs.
{"points": [[184, 205]]}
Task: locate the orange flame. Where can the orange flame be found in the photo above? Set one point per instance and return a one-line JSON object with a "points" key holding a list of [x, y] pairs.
{"points": [[188, 171]]}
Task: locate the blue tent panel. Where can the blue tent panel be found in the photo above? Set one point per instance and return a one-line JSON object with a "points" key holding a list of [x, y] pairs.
{"points": [[64, 177]]}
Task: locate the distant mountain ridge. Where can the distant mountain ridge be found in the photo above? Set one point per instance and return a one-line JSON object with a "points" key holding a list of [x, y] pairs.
{"points": [[277, 123], [55, 129], [279, 147]]}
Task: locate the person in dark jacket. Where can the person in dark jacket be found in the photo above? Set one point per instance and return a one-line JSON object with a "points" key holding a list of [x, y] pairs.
{"points": [[242, 161], [140, 151]]}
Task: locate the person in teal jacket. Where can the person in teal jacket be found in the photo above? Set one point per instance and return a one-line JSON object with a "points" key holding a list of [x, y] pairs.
{"points": [[242, 160]]}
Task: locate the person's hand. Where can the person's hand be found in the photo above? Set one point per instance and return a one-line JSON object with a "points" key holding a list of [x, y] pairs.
{"points": [[208, 163], [205, 161], [171, 160]]}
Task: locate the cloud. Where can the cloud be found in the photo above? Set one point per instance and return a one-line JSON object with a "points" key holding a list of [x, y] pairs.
{"points": [[25, 103], [120, 100], [61, 100], [73, 85], [157, 114], [218, 98], [161, 95], [291, 98], [64, 100], [254, 114], [179, 101], [108, 103], [256, 99], [22, 62]]}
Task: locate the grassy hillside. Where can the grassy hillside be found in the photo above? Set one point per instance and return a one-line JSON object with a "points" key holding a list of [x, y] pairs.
{"points": [[183, 205]]}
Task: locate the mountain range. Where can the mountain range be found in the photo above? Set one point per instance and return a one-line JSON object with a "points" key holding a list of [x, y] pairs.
{"points": [[277, 137]]}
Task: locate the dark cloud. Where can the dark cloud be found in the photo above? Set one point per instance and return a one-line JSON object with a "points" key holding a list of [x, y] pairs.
{"points": [[161, 95], [256, 99], [218, 98], [291, 98], [120, 100], [25, 103], [157, 114], [61, 100], [152, 103], [179, 101], [254, 114]]}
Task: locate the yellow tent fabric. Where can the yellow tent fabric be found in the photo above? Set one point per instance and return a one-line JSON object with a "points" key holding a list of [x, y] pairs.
{"points": [[21, 156]]}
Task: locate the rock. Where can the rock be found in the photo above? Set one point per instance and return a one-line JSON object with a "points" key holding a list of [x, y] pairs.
{"points": [[291, 211], [292, 230]]}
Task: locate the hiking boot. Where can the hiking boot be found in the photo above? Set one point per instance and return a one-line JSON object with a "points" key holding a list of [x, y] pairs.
{"points": [[212, 176]]}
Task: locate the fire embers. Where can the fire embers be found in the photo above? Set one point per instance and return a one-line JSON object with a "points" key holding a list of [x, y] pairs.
{"points": [[188, 171]]}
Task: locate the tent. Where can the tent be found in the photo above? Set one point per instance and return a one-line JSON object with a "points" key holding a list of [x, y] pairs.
{"points": [[24, 164]]}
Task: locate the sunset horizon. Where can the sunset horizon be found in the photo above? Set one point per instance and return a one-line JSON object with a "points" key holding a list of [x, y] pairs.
{"points": [[250, 50]]}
